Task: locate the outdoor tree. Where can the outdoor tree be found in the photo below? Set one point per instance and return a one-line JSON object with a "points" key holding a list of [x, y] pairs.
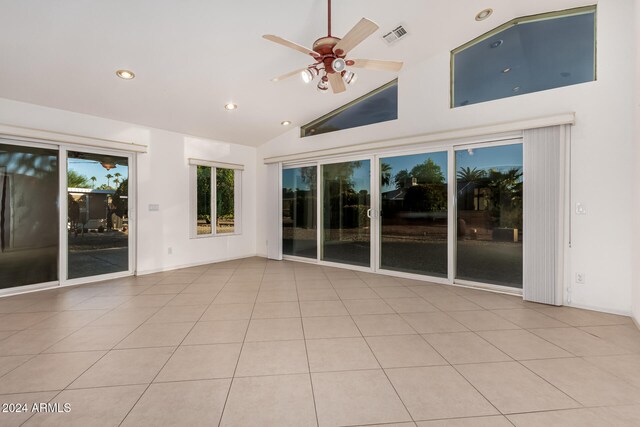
{"points": [[428, 172], [224, 192], [93, 181], [385, 174], [401, 178], [108, 176], [77, 180]]}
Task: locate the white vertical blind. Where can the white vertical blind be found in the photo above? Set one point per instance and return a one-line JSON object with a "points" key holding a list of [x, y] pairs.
{"points": [[544, 197], [274, 211]]}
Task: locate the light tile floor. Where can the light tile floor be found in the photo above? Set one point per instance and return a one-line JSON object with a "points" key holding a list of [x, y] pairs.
{"points": [[263, 343]]}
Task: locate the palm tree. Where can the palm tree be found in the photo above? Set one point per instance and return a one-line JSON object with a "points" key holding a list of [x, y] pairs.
{"points": [[116, 182], [385, 174], [118, 175], [93, 181], [470, 175], [108, 176]]}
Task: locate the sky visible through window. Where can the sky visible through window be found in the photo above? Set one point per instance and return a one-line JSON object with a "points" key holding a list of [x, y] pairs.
{"points": [[91, 168]]}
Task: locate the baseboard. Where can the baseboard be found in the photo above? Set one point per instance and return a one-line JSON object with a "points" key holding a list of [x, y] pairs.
{"points": [[193, 264], [602, 310]]}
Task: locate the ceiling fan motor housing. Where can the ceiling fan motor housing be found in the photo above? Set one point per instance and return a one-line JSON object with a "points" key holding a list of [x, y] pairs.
{"points": [[324, 47]]}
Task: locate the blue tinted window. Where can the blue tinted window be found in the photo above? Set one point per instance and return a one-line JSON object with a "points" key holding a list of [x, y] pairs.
{"points": [[526, 55], [377, 106]]}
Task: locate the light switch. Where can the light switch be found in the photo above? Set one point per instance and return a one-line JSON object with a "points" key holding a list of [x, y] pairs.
{"points": [[154, 208]]}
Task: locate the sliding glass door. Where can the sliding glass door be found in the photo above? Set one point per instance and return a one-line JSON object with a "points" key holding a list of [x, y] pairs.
{"points": [[98, 214], [489, 215], [299, 211], [29, 215], [451, 216], [346, 210], [413, 214]]}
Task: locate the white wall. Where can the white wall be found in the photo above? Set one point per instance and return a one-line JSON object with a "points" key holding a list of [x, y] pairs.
{"points": [[602, 146], [163, 178], [636, 179]]}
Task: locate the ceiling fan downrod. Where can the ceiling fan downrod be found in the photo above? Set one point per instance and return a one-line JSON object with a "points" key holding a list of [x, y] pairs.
{"points": [[329, 20]]}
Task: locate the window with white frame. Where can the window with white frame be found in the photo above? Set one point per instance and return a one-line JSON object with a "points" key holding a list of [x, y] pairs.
{"points": [[215, 198]]}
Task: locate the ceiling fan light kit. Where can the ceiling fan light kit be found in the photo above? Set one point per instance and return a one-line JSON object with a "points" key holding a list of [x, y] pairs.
{"points": [[329, 54]]}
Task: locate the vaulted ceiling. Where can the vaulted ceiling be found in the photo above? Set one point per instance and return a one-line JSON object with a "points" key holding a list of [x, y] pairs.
{"points": [[191, 57]]}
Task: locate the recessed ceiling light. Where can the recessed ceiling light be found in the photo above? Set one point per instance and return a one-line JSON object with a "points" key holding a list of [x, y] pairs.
{"points": [[285, 123], [230, 106], [125, 74], [484, 14], [506, 70], [565, 74], [516, 89], [496, 44]]}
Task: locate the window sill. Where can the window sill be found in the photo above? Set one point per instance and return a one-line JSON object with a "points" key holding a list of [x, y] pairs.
{"points": [[206, 236]]}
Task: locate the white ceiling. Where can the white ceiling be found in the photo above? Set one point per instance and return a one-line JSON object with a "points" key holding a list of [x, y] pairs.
{"points": [[193, 56]]}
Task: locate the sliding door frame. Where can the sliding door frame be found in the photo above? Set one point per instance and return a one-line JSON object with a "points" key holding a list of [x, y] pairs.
{"points": [[374, 156], [62, 150], [454, 212], [132, 215]]}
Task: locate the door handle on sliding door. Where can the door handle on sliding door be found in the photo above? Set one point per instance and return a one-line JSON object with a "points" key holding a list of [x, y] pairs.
{"points": [[369, 213]]}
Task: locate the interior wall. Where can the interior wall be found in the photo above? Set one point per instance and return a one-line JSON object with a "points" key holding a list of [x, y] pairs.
{"points": [[602, 146], [163, 179], [636, 179]]}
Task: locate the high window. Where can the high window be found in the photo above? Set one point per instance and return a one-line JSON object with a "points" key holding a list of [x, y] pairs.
{"points": [[526, 55], [379, 105]]}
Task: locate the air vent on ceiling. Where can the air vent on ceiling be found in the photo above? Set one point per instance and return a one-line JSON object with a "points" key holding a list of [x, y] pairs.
{"points": [[394, 35]]}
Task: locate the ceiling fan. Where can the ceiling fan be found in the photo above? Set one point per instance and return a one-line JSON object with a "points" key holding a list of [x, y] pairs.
{"points": [[329, 54]]}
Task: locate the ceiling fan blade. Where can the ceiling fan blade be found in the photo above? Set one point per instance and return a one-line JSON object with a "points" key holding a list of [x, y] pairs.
{"points": [[337, 84], [286, 76], [363, 29], [290, 44], [374, 64]]}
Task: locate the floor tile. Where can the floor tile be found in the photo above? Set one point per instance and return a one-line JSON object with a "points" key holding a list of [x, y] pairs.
{"points": [[193, 299], [512, 388], [19, 321], [323, 294], [452, 303], [401, 351], [101, 303], [490, 421], [585, 383], [125, 316], [527, 318], [125, 367], [395, 292], [47, 372], [165, 289], [578, 317], [410, 305], [523, 345], [583, 417], [217, 332], [32, 341], [170, 314], [356, 293], [274, 330], [272, 358], [70, 319], [227, 312], [235, 297], [579, 342], [465, 347], [367, 306], [91, 407], [626, 366], [9, 363], [283, 400], [276, 310], [438, 392], [340, 354], [330, 327], [426, 323], [156, 335], [624, 336], [201, 362], [289, 295], [356, 397], [482, 320], [163, 404], [382, 324], [322, 308], [91, 338]]}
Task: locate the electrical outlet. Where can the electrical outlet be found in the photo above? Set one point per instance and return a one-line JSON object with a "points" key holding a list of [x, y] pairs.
{"points": [[580, 278], [581, 209], [170, 250]]}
